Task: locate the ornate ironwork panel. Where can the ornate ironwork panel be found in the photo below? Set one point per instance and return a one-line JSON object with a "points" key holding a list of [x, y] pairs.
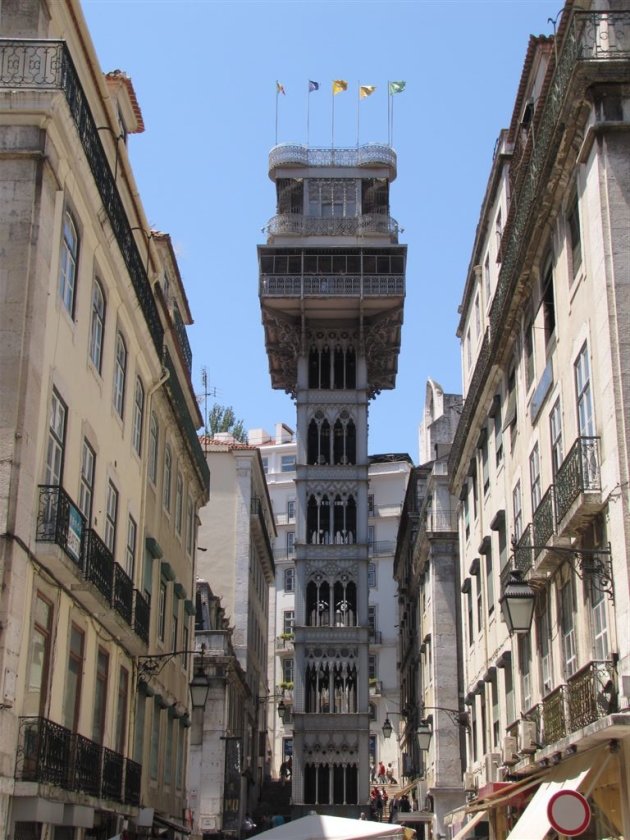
{"points": [[44, 750], [123, 593], [141, 616], [300, 225], [523, 552], [133, 777], [99, 564], [113, 764], [298, 155], [578, 473], [554, 715], [60, 521], [182, 336], [86, 766], [592, 694], [544, 521], [283, 285]]}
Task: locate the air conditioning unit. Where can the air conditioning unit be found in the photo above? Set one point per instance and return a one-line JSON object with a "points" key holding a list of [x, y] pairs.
{"points": [[510, 748], [470, 782], [527, 737], [493, 760]]}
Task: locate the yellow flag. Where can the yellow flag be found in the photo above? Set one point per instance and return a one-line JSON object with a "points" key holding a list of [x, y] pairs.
{"points": [[339, 85], [366, 90]]}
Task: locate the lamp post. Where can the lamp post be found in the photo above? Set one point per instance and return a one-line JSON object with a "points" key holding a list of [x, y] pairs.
{"points": [[517, 603]]}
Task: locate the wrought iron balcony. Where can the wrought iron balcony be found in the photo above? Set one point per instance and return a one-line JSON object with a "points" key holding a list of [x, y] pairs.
{"points": [[523, 553], [99, 564], [187, 427], [60, 521], [123, 594], [579, 473], [555, 715], [594, 41], [592, 693], [141, 615], [349, 286], [544, 521], [182, 336], [371, 154], [51, 754], [297, 224]]}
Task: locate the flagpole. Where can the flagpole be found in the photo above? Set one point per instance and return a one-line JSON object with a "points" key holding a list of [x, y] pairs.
{"points": [[358, 110], [277, 94], [308, 112], [332, 145], [388, 104], [391, 142]]}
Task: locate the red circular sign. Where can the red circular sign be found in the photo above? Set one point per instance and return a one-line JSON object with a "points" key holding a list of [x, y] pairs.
{"points": [[569, 813]]}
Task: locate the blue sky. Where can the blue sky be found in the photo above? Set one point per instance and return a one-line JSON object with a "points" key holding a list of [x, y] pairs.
{"points": [[205, 75]]}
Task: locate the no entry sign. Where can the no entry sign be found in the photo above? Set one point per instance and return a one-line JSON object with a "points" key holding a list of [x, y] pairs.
{"points": [[569, 813]]}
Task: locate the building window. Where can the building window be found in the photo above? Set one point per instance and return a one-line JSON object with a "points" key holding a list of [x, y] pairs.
{"points": [[466, 509], [265, 465], [534, 477], [121, 710], [56, 441], [524, 662], [485, 470], [543, 637], [586, 424], [162, 611], [371, 537], [372, 621], [111, 517], [120, 372], [575, 239], [291, 510], [179, 766], [166, 479], [168, 758], [498, 429], [289, 580], [548, 302], [555, 433], [132, 531], [175, 633], [138, 416], [499, 234], [477, 317], [567, 625], [97, 326], [154, 437], [371, 507], [40, 649], [86, 488], [179, 503], [100, 696], [489, 580], [371, 575], [288, 622], [68, 263], [287, 463], [372, 669], [479, 586], [190, 526], [290, 543], [72, 688], [486, 279], [332, 197], [468, 349], [517, 511], [470, 612], [528, 351], [155, 740], [287, 670], [601, 645]]}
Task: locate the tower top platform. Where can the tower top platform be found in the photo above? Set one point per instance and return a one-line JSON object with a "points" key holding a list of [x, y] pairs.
{"points": [[296, 156]]}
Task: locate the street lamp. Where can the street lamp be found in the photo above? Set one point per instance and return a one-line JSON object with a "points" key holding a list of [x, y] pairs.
{"points": [[424, 732], [199, 689], [517, 603], [387, 728]]}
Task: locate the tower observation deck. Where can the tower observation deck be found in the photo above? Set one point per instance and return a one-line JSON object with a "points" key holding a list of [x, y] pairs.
{"points": [[332, 289]]}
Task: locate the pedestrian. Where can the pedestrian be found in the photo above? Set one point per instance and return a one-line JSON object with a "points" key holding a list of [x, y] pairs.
{"points": [[379, 806], [382, 777], [390, 775], [372, 771]]}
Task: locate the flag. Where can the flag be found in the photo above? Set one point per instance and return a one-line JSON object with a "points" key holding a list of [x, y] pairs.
{"points": [[312, 86], [280, 89], [396, 87], [339, 85], [366, 90]]}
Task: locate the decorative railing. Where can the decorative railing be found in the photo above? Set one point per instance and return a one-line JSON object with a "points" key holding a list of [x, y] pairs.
{"points": [[592, 693], [371, 154], [60, 521], [554, 715], [51, 754], [123, 594], [578, 473], [186, 425], [141, 615], [359, 286], [99, 564], [182, 336], [544, 521], [300, 225], [591, 38], [523, 553]]}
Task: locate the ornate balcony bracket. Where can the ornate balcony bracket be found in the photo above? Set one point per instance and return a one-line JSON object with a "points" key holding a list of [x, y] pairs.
{"points": [[151, 665], [594, 564], [458, 717]]}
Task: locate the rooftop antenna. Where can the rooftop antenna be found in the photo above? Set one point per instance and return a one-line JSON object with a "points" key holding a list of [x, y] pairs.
{"points": [[205, 394]]}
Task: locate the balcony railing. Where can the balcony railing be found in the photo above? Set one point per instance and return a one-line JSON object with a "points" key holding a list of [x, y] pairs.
{"points": [[592, 693], [578, 473], [60, 521], [350, 286], [299, 225], [182, 336], [51, 754], [187, 427], [99, 564], [523, 553], [544, 521], [554, 715], [594, 39], [123, 594], [371, 154]]}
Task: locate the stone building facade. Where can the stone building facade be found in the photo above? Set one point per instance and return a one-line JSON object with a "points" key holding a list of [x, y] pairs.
{"points": [[540, 457]]}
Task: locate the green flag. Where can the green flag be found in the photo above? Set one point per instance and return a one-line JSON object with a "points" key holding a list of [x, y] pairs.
{"points": [[396, 87]]}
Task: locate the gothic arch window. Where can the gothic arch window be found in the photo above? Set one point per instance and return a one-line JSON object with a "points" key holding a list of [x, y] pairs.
{"points": [[332, 369], [345, 603], [331, 783], [344, 519], [344, 440], [318, 604], [318, 441]]}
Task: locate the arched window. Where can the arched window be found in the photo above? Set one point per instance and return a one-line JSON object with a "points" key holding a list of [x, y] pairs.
{"points": [[138, 416], [97, 326], [68, 263], [120, 373], [154, 435]]}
